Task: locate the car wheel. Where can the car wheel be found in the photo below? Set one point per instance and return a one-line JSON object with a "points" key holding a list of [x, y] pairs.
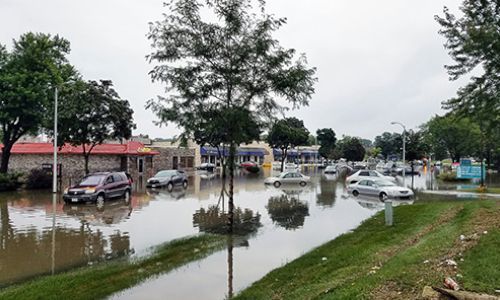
{"points": [[303, 183], [170, 186], [277, 183], [126, 195], [383, 197], [355, 193], [185, 184]]}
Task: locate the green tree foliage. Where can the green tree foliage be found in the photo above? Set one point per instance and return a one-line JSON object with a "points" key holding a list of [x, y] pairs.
{"points": [[449, 136], [285, 134], [91, 113], [416, 148], [327, 140], [312, 141], [28, 75], [350, 148], [220, 55], [473, 41], [389, 143]]}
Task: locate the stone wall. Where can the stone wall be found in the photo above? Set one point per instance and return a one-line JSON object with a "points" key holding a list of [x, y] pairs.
{"points": [[165, 160], [73, 166]]}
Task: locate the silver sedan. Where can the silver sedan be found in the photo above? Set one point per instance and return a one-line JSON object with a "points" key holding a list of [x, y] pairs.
{"points": [[288, 177], [380, 188]]}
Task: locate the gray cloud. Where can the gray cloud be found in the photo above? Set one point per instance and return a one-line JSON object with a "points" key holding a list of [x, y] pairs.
{"points": [[377, 61]]}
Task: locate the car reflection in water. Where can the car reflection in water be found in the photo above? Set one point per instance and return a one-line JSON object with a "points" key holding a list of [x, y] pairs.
{"points": [[374, 203], [107, 213], [176, 194]]}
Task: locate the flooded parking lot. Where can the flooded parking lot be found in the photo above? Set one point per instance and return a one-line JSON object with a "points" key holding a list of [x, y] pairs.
{"points": [[42, 235]]}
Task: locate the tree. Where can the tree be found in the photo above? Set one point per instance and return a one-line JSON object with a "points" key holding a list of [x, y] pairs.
{"points": [[28, 75], [473, 41], [285, 134], [389, 143], [91, 113], [449, 136], [220, 55], [311, 141], [416, 148], [352, 148], [327, 140]]}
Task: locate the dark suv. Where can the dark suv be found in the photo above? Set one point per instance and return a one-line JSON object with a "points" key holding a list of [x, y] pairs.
{"points": [[98, 187]]}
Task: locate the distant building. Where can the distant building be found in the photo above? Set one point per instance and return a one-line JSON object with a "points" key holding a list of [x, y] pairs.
{"points": [[302, 154]]}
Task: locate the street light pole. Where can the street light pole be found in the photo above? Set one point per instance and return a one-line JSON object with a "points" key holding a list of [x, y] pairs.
{"points": [[54, 170], [404, 149]]}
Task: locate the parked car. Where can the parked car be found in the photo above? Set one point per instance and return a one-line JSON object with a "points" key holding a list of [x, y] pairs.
{"points": [[248, 164], [168, 179], [98, 187], [288, 178], [331, 170], [363, 174], [207, 167], [291, 167], [382, 189]]}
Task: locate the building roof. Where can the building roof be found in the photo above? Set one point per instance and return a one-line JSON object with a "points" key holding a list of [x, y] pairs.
{"points": [[130, 148]]}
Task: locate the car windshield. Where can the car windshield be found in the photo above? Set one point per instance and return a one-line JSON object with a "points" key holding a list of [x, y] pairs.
{"points": [[92, 180], [165, 174], [385, 183]]}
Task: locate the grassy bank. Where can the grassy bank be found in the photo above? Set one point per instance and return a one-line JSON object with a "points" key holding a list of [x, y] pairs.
{"points": [[379, 262], [103, 280]]}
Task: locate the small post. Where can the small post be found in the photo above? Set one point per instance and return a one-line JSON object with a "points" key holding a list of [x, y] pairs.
{"points": [[388, 213]]}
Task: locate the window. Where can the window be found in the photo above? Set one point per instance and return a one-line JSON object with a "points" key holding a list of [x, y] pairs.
{"points": [[374, 174], [117, 177], [363, 182], [364, 173], [109, 180]]}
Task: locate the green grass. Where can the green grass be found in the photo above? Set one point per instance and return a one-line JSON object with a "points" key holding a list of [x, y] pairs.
{"points": [[103, 280], [486, 190], [376, 261]]}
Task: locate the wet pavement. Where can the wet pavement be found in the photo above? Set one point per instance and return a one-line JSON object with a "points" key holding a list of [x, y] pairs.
{"points": [[41, 235]]}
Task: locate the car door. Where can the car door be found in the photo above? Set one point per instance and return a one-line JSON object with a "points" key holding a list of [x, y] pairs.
{"points": [[177, 179], [371, 188], [361, 187], [120, 184], [288, 178], [109, 187]]}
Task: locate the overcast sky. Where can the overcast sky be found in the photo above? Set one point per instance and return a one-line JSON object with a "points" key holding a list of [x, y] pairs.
{"points": [[377, 61]]}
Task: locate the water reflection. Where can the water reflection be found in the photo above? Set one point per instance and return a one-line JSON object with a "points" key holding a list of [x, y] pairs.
{"points": [[327, 194], [288, 211]]}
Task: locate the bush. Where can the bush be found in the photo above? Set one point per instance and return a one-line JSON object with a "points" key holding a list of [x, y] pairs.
{"points": [[9, 182], [39, 179], [450, 177]]}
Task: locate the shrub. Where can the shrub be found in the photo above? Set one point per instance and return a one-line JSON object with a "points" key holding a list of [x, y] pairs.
{"points": [[450, 177], [10, 182], [39, 179]]}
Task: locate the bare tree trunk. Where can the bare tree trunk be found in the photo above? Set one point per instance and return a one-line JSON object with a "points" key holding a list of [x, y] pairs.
{"points": [[86, 156], [230, 163], [283, 157], [4, 166], [230, 267]]}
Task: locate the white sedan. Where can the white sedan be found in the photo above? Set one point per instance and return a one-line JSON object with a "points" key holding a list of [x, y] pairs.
{"points": [[368, 174], [288, 178], [380, 188]]}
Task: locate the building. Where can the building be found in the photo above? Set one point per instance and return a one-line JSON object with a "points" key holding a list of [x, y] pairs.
{"points": [[131, 157], [302, 154], [258, 152]]}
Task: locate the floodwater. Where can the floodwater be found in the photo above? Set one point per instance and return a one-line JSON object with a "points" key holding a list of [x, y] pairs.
{"points": [[40, 234]]}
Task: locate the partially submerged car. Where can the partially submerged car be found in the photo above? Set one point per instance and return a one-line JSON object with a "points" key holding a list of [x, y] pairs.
{"points": [[330, 170], [98, 187], [382, 189], [168, 179], [364, 174], [288, 178]]}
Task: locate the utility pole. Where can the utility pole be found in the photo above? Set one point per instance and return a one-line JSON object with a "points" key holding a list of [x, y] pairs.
{"points": [[54, 170], [404, 150]]}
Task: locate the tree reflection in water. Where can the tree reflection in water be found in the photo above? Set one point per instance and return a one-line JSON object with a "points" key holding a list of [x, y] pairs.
{"points": [[215, 219], [287, 211], [326, 197], [28, 252]]}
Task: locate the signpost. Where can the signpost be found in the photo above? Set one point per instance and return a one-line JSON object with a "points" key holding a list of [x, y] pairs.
{"points": [[467, 170]]}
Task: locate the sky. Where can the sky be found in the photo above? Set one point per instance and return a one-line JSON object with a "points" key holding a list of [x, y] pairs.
{"points": [[377, 61]]}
